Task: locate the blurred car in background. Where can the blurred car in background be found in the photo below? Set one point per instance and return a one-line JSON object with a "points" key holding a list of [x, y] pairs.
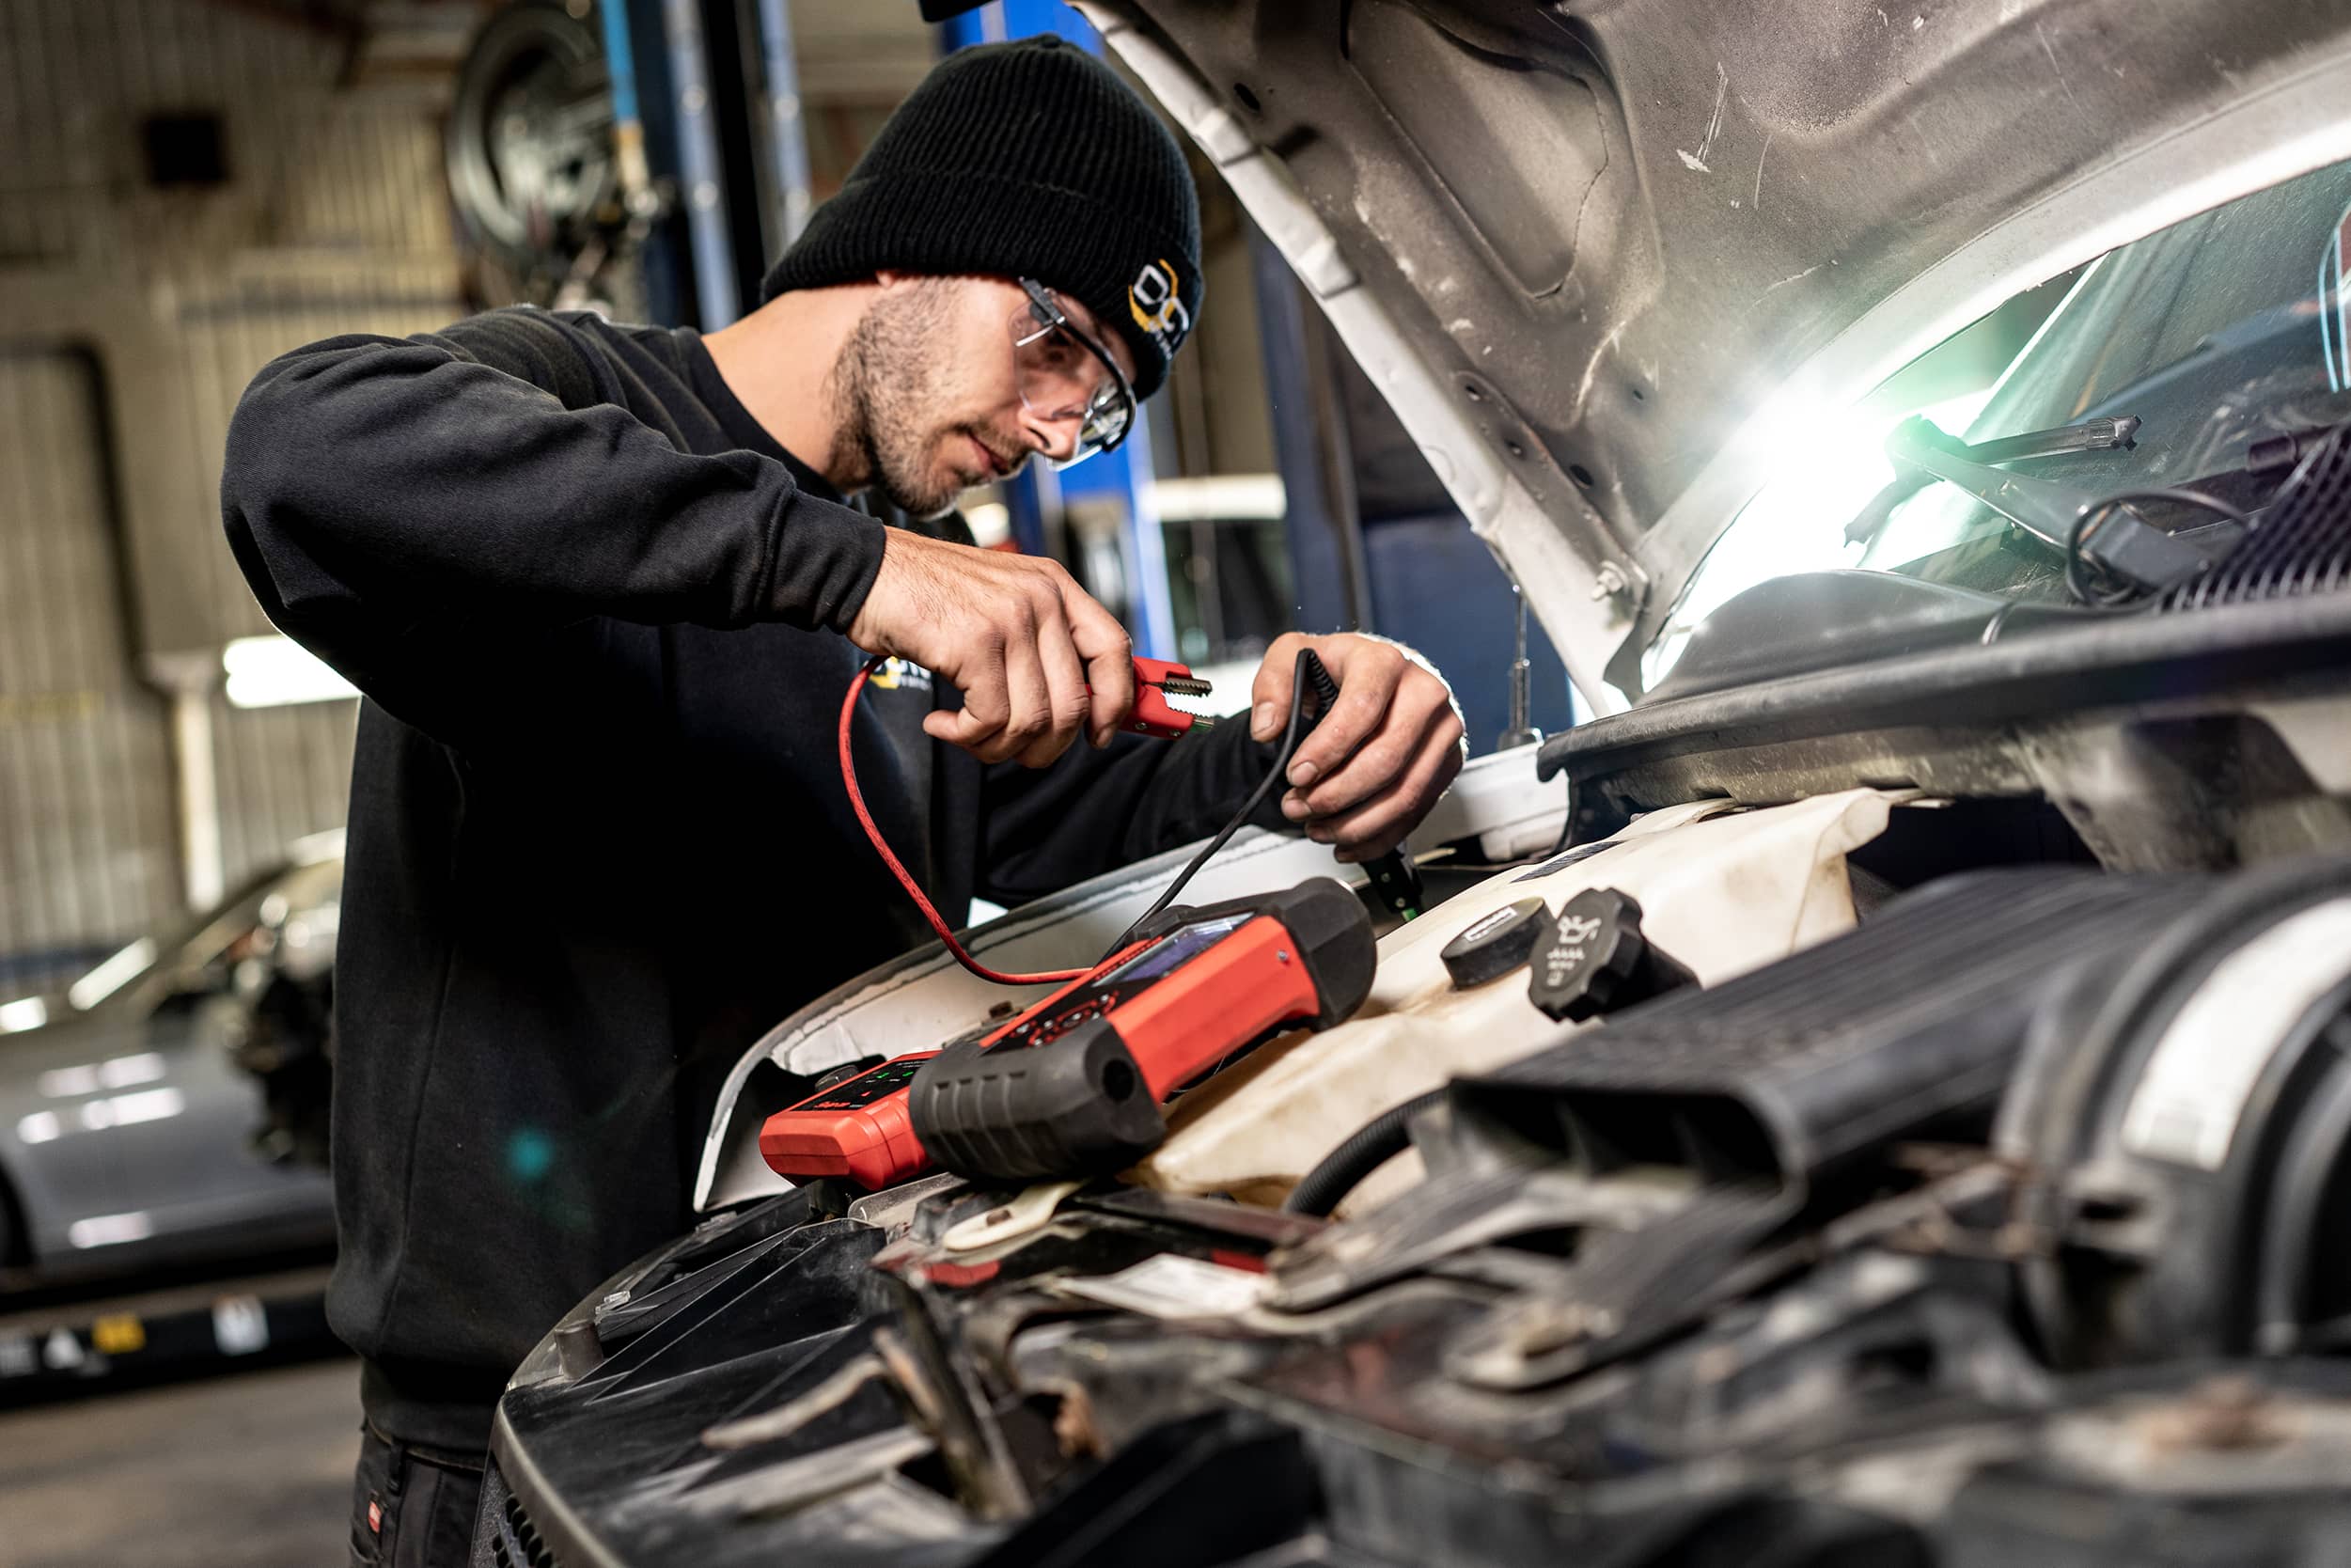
{"points": [[169, 1106]]}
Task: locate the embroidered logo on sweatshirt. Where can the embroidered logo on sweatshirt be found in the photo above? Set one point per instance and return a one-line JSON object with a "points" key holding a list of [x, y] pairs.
{"points": [[900, 675]]}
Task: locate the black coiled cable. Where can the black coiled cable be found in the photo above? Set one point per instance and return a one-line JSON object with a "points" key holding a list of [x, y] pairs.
{"points": [[1309, 671], [1366, 1149]]}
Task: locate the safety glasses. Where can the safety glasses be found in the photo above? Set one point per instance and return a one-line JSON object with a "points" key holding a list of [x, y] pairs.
{"points": [[1064, 374]]}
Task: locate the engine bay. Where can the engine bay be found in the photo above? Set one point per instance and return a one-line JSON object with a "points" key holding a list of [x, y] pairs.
{"points": [[1881, 1099], [1923, 1211]]}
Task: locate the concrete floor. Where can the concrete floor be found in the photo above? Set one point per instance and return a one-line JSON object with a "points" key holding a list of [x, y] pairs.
{"points": [[244, 1471]]}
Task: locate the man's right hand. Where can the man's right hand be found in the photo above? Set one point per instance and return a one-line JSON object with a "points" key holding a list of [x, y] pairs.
{"points": [[1016, 635]]}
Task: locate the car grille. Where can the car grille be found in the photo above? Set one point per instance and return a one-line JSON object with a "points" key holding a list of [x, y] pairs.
{"points": [[2303, 547], [516, 1542]]}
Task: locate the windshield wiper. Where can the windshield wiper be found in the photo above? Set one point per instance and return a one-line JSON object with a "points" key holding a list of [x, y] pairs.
{"points": [[2123, 545], [2091, 435]]}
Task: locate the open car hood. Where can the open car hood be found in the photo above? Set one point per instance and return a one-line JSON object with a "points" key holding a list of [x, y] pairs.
{"points": [[1605, 259]]}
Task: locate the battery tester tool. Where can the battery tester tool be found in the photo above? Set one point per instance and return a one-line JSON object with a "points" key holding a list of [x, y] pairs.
{"points": [[857, 1128], [1073, 1087], [1075, 1083]]}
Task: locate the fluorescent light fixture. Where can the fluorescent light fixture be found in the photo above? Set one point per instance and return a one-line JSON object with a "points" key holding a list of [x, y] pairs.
{"points": [[28, 1013], [40, 1127], [270, 672], [113, 975], [1213, 497]]}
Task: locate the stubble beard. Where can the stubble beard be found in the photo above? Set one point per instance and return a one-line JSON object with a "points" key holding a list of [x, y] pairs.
{"points": [[885, 385]]}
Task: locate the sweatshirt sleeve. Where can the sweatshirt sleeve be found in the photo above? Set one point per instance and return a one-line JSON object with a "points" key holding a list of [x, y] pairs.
{"points": [[1094, 812], [487, 474]]}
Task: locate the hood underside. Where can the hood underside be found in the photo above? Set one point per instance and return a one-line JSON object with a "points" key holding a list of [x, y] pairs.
{"points": [[1588, 252]]}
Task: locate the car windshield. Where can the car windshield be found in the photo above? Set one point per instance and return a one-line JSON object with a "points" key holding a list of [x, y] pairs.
{"points": [[2213, 332], [199, 951]]}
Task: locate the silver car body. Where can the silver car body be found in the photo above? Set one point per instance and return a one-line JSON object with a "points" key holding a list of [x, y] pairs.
{"points": [[127, 1126]]}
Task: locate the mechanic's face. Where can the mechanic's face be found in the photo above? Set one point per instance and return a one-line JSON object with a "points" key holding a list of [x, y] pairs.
{"points": [[931, 400]]}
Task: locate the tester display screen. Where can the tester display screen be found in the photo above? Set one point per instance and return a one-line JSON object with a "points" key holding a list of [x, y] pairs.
{"points": [[878, 1084], [1090, 1001], [1186, 941]]}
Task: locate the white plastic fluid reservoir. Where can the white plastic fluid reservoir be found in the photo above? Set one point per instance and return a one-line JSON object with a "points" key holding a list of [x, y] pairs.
{"points": [[1720, 889]]}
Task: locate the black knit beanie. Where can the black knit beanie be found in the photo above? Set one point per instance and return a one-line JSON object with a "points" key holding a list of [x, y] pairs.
{"points": [[1024, 159]]}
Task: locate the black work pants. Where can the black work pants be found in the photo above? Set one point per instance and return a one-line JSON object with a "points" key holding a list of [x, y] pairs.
{"points": [[413, 1507]]}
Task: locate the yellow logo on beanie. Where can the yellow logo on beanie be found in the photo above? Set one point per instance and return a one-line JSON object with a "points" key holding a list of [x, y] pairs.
{"points": [[1152, 299]]}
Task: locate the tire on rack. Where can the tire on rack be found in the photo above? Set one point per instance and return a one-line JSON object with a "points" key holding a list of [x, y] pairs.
{"points": [[532, 166]]}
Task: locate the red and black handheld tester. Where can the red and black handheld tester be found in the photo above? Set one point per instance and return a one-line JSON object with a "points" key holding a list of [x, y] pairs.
{"points": [[1072, 1086], [856, 1128]]}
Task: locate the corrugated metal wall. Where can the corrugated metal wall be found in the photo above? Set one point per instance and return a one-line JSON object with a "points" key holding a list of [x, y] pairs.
{"points": [[314, 163], [234, 321], [334, 219], [86, 806]]}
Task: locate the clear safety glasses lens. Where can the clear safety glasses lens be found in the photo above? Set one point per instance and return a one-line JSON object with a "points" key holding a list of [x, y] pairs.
{"points": [[1065, 375]]}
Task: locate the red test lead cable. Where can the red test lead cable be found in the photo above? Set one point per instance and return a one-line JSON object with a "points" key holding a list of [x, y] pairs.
{"points": [[913, 891]]}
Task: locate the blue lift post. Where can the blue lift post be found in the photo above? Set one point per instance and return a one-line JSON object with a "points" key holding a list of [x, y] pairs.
{"points": [[645, 116], [705, 99], [786, 126], [628, 128], [1123, 477], [702, 175]]}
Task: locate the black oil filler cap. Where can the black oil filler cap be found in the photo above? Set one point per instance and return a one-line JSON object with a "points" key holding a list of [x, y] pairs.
{"points": [[1595, 959], [1495, 943]]}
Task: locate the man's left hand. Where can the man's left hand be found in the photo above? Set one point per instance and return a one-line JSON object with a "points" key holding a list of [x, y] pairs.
{"points": [[1370, 771]]}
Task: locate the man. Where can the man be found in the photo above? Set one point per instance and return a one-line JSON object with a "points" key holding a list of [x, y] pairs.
{"points": [[600, 592]]}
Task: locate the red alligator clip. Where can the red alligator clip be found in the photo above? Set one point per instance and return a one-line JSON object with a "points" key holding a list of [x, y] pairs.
{"points": [[1153, 680]]}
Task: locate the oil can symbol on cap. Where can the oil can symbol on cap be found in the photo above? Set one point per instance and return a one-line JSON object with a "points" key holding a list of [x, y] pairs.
{"points": [[1570, 946], [1597, 959]]}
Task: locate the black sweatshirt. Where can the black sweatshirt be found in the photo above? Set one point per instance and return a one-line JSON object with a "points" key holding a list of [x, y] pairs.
{"points": [[598, 839]]}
